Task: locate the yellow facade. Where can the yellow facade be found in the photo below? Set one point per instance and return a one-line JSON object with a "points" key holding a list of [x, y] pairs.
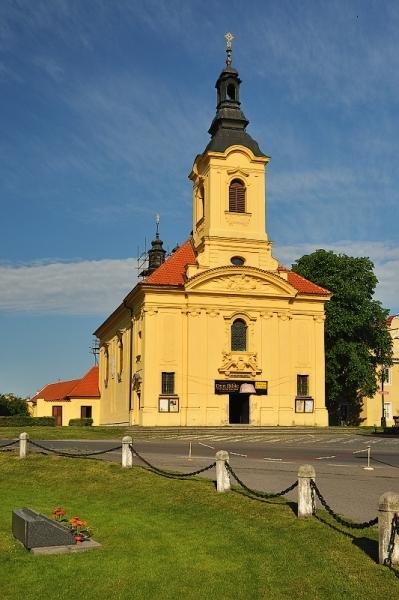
{"points": [[389, 396], [70, 409], [167, 357]]}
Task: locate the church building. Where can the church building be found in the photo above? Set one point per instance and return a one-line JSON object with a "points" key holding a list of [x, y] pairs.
{"points": [[218, 333]]}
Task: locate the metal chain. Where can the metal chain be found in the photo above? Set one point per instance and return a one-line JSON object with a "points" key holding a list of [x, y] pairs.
{"points": [[9, 444], [331, 512], [170, 473], [391, 544], [255, 492], [74, 454]]}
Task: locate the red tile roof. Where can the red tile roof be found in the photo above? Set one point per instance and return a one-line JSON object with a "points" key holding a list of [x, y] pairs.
{"points": [[87, 387], [173, 270], [304, 286], [63, 391], [390, 319]]}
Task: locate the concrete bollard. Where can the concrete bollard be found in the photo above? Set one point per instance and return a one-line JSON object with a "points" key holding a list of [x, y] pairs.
{"points": [[127, 457], [23, 444], [222, 475], [305, 505], [388, 507]]}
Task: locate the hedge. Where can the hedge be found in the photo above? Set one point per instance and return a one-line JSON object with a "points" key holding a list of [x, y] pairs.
{"points": [[81, 422], [17, 420]]}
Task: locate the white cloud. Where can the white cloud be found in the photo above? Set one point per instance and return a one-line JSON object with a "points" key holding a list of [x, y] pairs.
{"points": [[385, 256], [50, 67], [93, 287]]}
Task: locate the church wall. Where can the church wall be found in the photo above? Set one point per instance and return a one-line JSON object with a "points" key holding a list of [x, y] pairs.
{"points": [[187, 336], [114, 363]]}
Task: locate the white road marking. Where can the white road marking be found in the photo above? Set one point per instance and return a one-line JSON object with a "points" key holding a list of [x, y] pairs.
{"points": [[335, 465], [273, 459], [357, 451], [206, 445], [237, 454], [323, 457]]}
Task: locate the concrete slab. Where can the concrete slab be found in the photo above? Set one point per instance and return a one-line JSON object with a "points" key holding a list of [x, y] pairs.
{"points": [[81, 547]]}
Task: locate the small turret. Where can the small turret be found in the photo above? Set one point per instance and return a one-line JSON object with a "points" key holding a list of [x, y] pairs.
{"points": [[156, 254]]}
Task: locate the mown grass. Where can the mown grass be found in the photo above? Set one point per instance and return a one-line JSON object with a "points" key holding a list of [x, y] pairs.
{"points": [[65, 433], [164, 538]]}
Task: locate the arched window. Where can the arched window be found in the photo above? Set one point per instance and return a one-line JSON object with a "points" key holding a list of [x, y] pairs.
{"points": [[200, 203], [237, 196], [239, 335], [120, 356], [231, 92]]}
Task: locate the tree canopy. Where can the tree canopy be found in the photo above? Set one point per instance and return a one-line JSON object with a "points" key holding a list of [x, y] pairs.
{"points": [[356, 332], [12, 405]]}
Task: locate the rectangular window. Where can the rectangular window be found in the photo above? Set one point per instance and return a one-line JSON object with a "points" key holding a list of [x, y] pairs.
{"points": [[387, 375], [387, 410], [168, 383], [302, 386], [85, 412]]}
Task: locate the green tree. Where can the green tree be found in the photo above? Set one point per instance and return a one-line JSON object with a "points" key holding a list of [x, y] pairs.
{"points": [[10, 404], [357, 340]]}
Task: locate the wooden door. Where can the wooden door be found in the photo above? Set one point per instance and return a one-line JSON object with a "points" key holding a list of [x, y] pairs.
{"points": [[57, 414]]}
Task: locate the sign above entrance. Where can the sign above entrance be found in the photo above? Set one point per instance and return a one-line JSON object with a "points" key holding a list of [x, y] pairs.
{"points": [[233, 386]]}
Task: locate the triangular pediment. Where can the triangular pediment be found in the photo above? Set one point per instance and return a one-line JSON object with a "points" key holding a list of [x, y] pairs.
{"points": [[241, 280]]}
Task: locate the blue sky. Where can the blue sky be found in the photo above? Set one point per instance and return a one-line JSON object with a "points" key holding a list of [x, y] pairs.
{"points": [[104, 106]]}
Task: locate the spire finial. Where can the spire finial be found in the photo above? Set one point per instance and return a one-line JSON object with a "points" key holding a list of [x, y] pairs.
{"points": [[229, 37], [157, 219]]}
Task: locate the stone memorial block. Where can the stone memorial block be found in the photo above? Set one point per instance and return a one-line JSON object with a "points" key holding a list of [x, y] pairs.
{"points": [[35, 530]]}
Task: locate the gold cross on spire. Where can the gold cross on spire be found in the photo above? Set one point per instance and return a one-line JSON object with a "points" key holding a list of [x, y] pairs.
{"points": [[229, 37]]}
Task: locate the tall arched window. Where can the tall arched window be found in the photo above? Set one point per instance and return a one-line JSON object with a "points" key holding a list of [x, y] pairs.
{"points": [[239, 335], [237, 196]]}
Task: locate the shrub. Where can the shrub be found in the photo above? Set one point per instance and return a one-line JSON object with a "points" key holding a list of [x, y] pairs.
{"points": [[80, 422], [18, 420]]}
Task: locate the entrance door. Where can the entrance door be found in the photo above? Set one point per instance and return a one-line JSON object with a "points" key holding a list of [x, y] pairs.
{"points": [[239, 408], [57, 414]]}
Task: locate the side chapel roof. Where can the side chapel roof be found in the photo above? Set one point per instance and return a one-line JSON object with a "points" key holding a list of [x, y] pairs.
{"points": [[86, 387]]}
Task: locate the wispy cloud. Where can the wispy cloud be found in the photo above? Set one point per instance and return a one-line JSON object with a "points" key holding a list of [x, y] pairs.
{"points": [[385, 256], [76, 288], [50, 66]]}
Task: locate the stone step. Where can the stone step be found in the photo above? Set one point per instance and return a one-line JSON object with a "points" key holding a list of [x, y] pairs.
{"points": [[247, 430]]}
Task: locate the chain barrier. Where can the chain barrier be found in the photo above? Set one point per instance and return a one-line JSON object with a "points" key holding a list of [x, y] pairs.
{"points": [[255, 492], [315, 490], [391, 544], [169, 473], [75, 454], [9, 444]]}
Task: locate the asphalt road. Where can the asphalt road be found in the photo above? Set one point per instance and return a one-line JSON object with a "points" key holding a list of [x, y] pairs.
{"points": [[270, 462]]}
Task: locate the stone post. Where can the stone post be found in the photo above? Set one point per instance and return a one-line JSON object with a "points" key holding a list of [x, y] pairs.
{"points": [[305, 475], [222, 475], [388, 507], [127, 457], [23, 444]]}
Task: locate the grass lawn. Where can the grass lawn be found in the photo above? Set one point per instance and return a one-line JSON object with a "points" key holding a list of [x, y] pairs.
{"points": [[65, 433], [104, 433], [165, 538]]}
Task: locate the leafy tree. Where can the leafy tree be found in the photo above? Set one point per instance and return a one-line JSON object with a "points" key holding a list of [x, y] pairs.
{"points": [[12, 405], [357, 340]]}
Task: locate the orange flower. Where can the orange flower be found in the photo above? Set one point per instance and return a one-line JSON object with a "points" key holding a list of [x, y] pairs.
{"points": [[58, 512]]}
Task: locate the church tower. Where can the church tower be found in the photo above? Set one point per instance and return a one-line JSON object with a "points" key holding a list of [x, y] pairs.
{"points": [[217, 333], [229, 178]]}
